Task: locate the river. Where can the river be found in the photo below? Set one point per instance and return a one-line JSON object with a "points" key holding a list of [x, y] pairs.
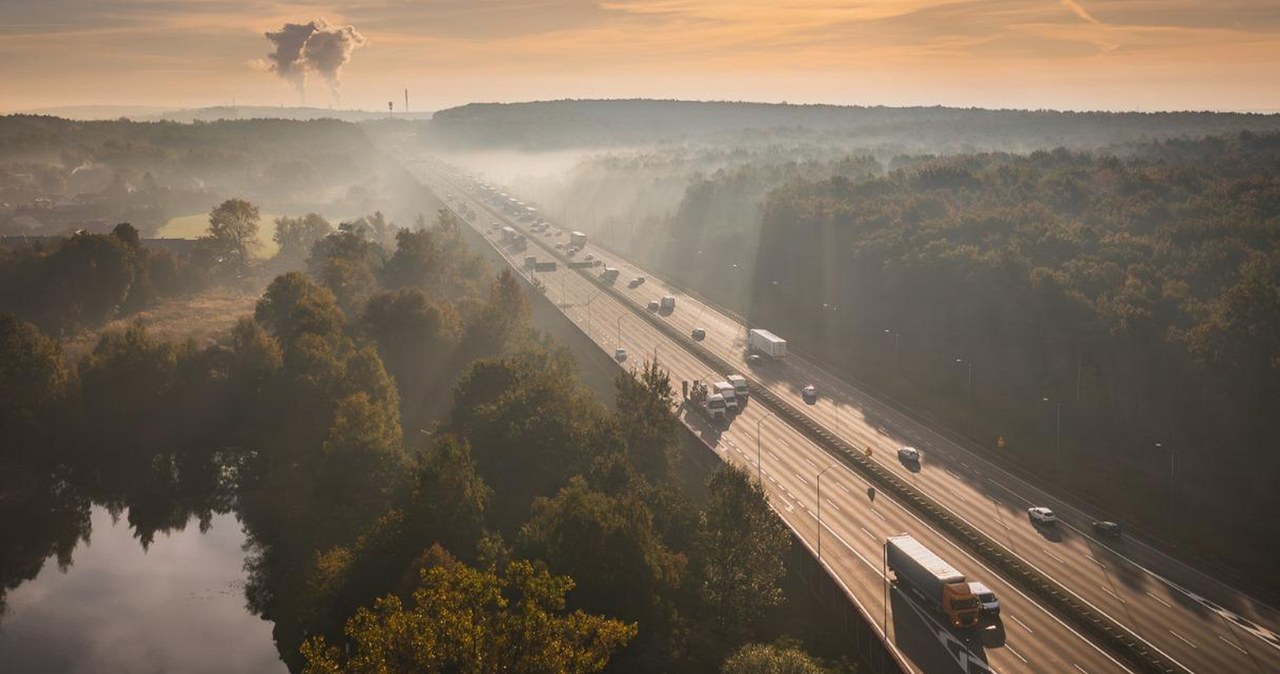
{"points": [[177, 607]]}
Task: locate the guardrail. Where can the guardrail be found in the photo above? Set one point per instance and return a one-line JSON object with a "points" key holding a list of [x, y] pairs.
{"points": [[1101, 628]]}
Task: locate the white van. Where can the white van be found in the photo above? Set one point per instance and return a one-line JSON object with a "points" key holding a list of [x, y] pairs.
{"points": [[988, 605]]}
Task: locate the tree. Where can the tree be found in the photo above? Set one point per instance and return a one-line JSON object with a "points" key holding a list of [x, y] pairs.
{"points": [[772, 659], [293, 306], [296, 236], [743, 548], [645, 413], [609, 546], [233, 232], [504, 319], [33, 382], [348, 263], [474, 622], [128, 234]]}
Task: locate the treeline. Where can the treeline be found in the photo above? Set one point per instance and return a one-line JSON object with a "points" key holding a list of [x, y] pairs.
{"points": [[1142, 296], [58, 175], [571, 124], [514, 511], [84, 280]]}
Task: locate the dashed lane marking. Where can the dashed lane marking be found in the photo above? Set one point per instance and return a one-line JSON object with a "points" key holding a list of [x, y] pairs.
{"points": [[1016, 654], [1184, 640], [1024, 625], [1162, 602], [1229, 643], [1060, 560]]}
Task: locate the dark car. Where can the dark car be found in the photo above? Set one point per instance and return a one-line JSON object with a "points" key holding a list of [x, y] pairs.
{"points": [[1108, 529]]}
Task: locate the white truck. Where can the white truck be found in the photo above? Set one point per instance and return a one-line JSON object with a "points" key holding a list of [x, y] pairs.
{"points": [[945, 590], [725, 389], [740, 388], [710, 404], [577, 239], [769, 344], [609, 275], [668, 303]]}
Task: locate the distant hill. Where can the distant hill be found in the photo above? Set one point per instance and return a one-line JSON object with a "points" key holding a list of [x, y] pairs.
{"points": [[154, 114], [588, 123]]}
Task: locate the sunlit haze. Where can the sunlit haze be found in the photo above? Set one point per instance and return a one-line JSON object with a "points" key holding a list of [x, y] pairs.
{"points": [[1067, 54]]}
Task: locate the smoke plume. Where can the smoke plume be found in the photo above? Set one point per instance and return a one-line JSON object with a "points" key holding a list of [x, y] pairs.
{"points": [[316, 46]]}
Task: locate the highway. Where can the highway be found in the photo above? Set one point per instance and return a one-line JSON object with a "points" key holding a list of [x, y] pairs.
{"points": [[1194, 621]]}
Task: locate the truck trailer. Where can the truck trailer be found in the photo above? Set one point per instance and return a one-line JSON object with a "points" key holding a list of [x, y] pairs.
{"points": [[769, 344], [945, 589]]}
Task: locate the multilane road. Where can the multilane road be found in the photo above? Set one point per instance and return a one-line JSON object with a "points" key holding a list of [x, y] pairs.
{"points": [[1195, 630]]}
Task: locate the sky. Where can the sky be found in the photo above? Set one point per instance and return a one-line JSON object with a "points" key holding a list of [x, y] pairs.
{"points": [[1060, 54]]}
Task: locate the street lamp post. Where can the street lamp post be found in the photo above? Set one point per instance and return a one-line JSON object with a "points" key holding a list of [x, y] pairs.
{"points": [[1057, 434], [896, 335], [620, 317], [597, 294], [759, 470], [819, 502], [968, 363], [1171, 481]]}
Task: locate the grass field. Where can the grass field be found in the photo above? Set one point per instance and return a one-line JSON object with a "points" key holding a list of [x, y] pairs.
{"points": [[194, 226], [203, 317]]}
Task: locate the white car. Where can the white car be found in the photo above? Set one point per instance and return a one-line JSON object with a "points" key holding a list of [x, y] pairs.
{"points": [[620, 355], [909, 454], [1042, 515]]}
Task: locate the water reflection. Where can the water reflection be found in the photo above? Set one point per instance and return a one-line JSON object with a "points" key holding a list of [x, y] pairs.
{"points": [[175, 606]]}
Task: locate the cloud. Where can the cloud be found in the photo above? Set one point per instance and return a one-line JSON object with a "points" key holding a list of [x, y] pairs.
{"points": [[316, 46], [1079, 11]]}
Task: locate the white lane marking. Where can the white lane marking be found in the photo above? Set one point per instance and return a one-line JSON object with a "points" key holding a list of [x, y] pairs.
{"points": [[1184, 640], [1229, 643], [877, 514], [1016, 654], [833, 505], [1108, 591], [873, 536], [1082, 670], [1024, 625], [957, 495], [1095, 561], [846, 489], [1060, 560], [1162, 602], [775, 456], [995, 500], [801, 477], [811, 464]]}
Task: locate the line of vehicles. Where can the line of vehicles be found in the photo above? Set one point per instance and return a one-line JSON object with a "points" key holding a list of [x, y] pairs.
{"points": [[963, 603]]}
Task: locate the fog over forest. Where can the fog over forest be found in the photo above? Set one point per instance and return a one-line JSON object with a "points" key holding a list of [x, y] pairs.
{"points": [[309, 324]]}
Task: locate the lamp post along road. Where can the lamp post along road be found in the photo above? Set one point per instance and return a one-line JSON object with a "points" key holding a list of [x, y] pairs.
{"points": [[759, 470], [1057, 433], [589, 299], [819, 502]]}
